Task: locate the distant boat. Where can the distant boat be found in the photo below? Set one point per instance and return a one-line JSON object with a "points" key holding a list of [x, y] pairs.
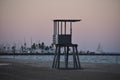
{"points": [[99, 49]]}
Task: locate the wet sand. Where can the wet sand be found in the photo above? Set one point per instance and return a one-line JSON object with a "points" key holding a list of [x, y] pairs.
{"points": [[16, 69]]}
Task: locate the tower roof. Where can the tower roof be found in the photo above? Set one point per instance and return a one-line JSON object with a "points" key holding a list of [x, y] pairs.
{"points": [[67, 20]]}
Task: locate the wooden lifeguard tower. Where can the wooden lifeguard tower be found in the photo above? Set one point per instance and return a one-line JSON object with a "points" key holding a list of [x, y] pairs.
{"points": [[63, 42]]}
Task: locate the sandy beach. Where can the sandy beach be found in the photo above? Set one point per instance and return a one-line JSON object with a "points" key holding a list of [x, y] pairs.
{"points": [[17, 69]]}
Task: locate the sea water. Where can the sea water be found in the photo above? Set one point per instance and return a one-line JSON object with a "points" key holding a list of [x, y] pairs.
{"points": [[83, 58]]}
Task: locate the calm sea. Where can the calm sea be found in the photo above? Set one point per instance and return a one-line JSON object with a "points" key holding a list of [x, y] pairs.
{"points": [[83, 58]]}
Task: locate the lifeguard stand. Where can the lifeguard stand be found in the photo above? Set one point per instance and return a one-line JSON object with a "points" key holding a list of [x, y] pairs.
{"points": [[63, 42]]}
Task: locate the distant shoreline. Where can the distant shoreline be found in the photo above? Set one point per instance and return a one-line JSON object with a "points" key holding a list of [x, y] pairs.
{"points": [[61, 54]]}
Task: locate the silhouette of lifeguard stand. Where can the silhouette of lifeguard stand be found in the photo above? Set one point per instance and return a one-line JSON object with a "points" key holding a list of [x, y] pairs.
{"points": [[63, 42]]}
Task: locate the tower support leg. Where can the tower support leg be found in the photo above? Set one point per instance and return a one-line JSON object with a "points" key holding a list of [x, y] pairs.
{"points": [[56, 60], [78, 61], [55, 57]]}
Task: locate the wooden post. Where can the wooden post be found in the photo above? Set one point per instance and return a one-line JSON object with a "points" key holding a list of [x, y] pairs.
{"points": [[73, 57], [55, 27], [78, 61], [58, 27], [67, 55], [61, 27], [65, 28], [71, 28], [58, 66], [54, 60], [74, 53]]}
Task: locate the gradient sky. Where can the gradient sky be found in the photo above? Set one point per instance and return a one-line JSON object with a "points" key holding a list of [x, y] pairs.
{"points": [[100, 23]]}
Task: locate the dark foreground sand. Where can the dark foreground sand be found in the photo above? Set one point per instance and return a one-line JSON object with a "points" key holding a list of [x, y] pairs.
{"points": [[14, 69]]}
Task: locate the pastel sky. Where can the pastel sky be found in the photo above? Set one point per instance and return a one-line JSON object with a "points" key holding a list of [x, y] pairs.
{"points": [[100, 23]]}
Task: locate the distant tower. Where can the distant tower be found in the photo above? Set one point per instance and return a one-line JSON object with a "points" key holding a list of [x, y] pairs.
{"points": [[63, 41], [99, 49]]}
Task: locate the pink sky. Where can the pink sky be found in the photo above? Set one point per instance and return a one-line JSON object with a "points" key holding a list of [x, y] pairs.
{"points": [[33, 18]]}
